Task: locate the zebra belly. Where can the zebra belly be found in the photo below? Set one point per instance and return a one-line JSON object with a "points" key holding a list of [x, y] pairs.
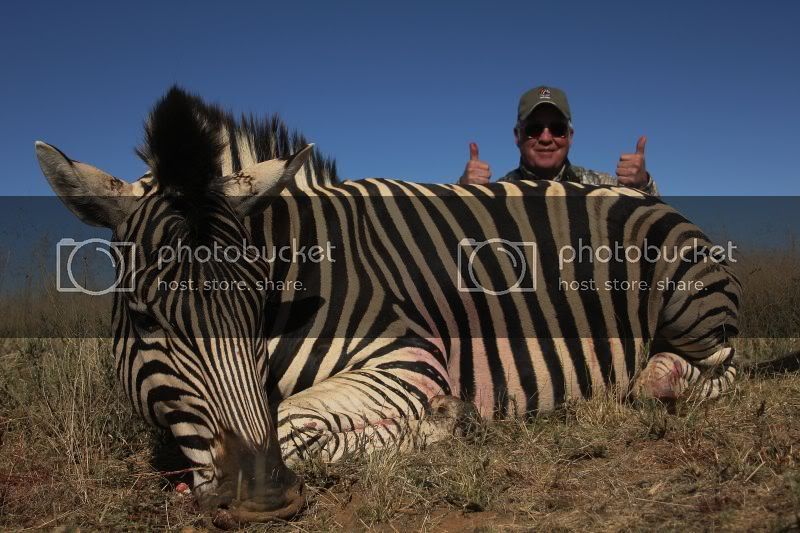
{"points": [[512, 377]]}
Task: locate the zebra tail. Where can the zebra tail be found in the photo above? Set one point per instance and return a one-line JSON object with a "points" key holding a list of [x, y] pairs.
{"points": [[781, 365]]}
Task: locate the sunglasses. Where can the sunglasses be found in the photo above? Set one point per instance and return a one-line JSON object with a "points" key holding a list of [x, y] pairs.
{"points": [[535, 129]]}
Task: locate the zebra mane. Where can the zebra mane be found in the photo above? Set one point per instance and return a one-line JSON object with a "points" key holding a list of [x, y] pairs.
{"points": [[182, 144], [252, 139], [189, 143]]}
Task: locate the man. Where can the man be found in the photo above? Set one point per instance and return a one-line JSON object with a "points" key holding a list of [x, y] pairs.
{"points": [[544, 135]]}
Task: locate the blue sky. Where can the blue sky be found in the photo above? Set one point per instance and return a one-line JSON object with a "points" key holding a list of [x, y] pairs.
{"points": [[399, 89]]}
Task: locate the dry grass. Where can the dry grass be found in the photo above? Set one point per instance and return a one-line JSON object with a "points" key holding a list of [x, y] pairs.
{"points": [[771, 306], [73, 454], [71, 450]]}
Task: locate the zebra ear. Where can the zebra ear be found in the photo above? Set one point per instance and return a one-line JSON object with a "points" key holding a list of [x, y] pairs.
{"points": [[94, 196], [251, 189]]}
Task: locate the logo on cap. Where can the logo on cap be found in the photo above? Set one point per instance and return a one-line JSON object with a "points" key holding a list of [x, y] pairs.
{"points": [[544, 92]]}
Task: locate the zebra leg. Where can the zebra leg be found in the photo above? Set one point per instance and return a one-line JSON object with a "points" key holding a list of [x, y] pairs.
{"points": [[394, 402], [668, 376]]}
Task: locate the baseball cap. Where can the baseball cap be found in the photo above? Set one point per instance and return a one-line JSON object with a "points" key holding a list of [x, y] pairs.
{"points": [[543, 95]]}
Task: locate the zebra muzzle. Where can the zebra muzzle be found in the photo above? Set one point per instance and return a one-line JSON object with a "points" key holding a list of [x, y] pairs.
{"points": [[239, 512], [252, 486]]}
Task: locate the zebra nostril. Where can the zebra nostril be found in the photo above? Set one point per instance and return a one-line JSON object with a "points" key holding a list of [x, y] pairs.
{"points": [[261, 509], [223, 519], [274, 503]]}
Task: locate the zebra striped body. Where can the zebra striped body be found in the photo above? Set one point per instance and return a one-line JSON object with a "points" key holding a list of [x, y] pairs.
{"points": [[390, 298], [378, 338]]}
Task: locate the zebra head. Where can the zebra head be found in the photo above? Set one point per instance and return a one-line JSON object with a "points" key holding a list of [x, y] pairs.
{"points": [[192, 357]]}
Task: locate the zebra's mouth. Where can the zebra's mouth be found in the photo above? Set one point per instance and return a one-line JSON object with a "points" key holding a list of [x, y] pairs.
{"points": [[237, 513]]}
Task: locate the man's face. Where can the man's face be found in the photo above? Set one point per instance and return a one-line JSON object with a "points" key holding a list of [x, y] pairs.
{"points": [[545, 150]]}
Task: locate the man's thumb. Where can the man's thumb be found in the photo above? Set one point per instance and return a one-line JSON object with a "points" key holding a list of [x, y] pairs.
{"points": [[640, 145], [473, 151]]}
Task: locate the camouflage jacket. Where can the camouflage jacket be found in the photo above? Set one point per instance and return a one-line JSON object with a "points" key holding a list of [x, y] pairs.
{"points": [[576, 174]]}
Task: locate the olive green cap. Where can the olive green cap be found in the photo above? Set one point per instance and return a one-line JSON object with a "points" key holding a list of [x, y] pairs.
{"points": [[543, 95]]}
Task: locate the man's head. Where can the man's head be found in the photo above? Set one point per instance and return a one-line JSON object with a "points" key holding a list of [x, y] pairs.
{"points": [[544, 131]]}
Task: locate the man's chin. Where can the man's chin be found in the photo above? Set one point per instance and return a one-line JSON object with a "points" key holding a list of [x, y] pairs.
{"points": [[547, 164], [544, 160]]}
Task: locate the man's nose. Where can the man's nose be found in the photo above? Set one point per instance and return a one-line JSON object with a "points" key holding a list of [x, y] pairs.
{"points": [[546, 136]]}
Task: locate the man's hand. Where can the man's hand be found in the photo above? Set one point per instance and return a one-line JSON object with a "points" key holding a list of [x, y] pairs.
{"points": [[476, 172], [631, 171]]}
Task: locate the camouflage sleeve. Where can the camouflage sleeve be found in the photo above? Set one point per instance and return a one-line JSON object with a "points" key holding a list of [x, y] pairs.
{"points": [[594, 177], [650, 188], [511, 176], [605, 179]]}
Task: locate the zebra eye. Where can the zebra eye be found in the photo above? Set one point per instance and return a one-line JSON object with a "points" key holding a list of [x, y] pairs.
{"points": [[144, 321]]}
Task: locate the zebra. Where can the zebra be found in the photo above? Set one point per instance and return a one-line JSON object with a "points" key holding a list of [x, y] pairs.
{"points": [[380, 346]]}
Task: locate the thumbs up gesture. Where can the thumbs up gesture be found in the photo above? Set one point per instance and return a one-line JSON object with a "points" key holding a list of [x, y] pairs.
{"points": [[476, 172], [631, 170]]}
